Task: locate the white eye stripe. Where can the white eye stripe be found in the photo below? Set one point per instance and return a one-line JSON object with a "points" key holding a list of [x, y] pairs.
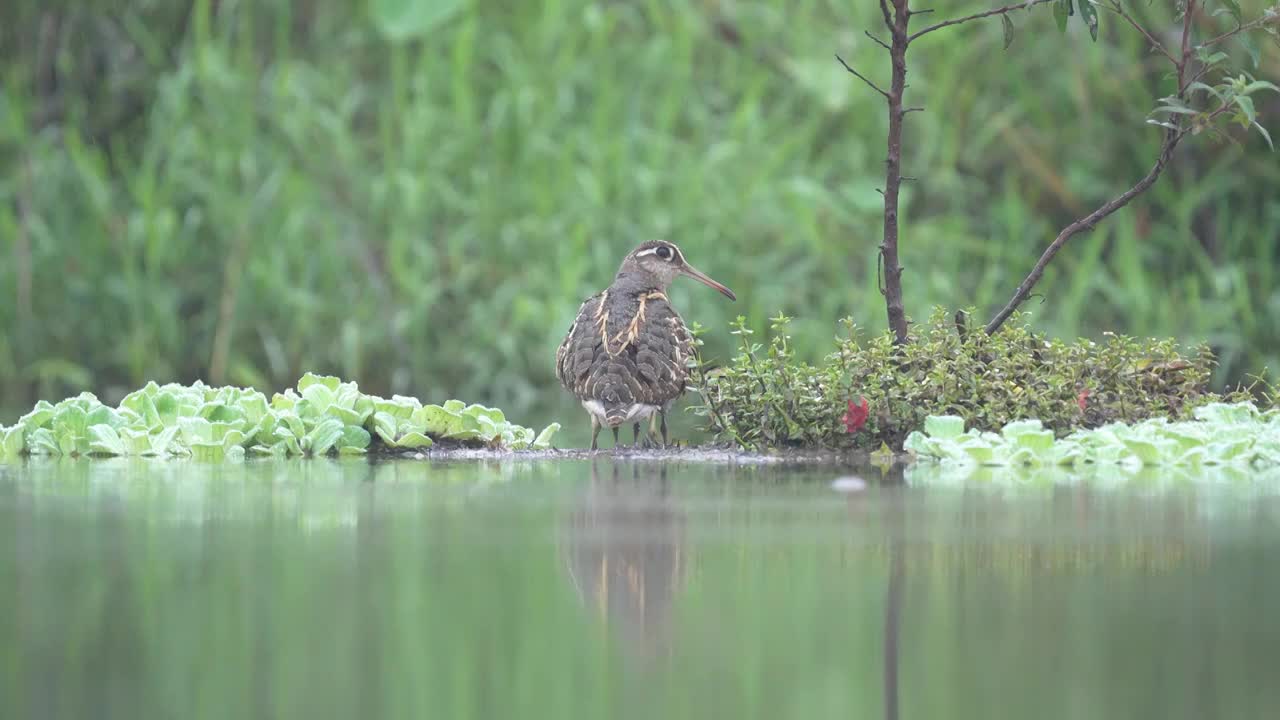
{"points": [[654, 251]]}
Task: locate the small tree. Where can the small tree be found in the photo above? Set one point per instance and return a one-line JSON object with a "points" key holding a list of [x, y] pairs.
{"points": [[1207, 96]]}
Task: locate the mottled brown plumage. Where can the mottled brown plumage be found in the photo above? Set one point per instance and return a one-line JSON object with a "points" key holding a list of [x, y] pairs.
{"points": [[624, 355]]}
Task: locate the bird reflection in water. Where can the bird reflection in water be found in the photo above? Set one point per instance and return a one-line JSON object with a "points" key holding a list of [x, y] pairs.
{"points": [[624, 549]]}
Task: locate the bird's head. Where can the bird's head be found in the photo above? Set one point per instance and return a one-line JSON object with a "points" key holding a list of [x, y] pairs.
{"points": [[658, 262]]}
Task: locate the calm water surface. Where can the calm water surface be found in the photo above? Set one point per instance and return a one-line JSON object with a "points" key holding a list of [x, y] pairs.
{"points": [[630, 589]]}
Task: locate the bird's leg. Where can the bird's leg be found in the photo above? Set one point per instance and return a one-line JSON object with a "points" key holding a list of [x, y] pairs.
{"points": [[595, 432], [648, 437], [635, 438], [663, 415], [615, 437]]}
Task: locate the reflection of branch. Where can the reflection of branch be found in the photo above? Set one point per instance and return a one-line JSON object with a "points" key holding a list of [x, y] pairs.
{"points": [[893, 610], [978, 16]]}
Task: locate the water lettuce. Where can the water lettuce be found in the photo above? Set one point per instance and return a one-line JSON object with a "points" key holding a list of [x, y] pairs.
{"points": [[321, 416], [1236, 434]]}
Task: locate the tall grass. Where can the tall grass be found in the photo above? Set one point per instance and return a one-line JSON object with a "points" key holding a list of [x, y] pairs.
{"points": [[243, 191]]}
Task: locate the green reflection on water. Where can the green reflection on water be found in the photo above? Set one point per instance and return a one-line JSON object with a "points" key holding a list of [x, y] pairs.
{"points": [[138, 589]]}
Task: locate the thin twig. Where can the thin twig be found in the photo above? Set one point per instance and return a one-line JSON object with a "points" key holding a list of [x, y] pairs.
{"points": [[977, 16], [1172, 136], [1265, 20], [912, 109], [877, 40], [1116, 8], [862, 77], [884, 10]]}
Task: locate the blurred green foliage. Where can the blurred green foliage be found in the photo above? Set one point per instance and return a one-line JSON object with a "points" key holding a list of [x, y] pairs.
{"points": [[417, 195]]}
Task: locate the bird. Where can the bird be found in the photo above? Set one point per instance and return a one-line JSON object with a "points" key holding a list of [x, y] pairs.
{"points": [[624, 355]]}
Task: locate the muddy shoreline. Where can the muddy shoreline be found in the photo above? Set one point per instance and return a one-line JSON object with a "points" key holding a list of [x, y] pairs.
{"points": [[722, 455]]}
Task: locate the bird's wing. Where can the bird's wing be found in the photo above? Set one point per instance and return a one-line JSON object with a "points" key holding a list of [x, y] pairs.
{"points": [[576, 351], [662, 346]]}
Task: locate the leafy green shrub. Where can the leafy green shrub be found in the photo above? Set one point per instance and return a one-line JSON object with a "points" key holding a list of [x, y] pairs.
{"points": [[764, 397], [1221, 434], [324, 415]]}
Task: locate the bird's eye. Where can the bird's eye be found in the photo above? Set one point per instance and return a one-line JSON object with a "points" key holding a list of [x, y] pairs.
{"points": [[664, 252]]}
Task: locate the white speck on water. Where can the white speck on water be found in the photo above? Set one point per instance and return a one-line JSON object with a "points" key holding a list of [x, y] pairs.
{"points": [[849, 483]]}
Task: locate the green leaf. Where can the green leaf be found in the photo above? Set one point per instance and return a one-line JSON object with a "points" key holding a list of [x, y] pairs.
{"points": [[385, 426], [1089, 14], [70, 429], [436, 420], [1061, 11], [543, 440], [328, 382], [353, 438], [1252, 49], [42, 442], [166, 404], [944, 426], [1206, 88], [319, 398], [1008, 30], [1257, 85], [479, 411], [40, 416], [104, 440], [286, 437], [323, 437], [398, 407], [1245, 103], [195, 430], [400, 20], [1210, 58], [161, 441], [413, 440], [142, 402], [1265, 135], [208, 451], [12, 442], [276, 450], [253, 407]]}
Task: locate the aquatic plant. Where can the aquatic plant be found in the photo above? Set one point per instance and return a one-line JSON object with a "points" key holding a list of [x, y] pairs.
{"points": [[766, 397], [1234, 434], [322, 416]]}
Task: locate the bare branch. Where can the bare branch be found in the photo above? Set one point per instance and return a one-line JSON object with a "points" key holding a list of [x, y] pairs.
{"points": [[893, 168], [977, 16], [912, 109], [1171, 139], [862, 77], [1252, 25], [877, 40], [884, 10], [1116, 8], [1172, 136], [913, 13]]}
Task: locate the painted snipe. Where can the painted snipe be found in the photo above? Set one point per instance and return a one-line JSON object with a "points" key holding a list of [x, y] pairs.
{"points": [[624, 356]]}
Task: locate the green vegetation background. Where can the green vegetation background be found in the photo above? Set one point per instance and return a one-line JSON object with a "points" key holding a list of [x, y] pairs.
{"points": [[240, 192]]}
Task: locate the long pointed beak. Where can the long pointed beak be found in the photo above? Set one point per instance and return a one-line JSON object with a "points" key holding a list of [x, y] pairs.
{"points": [[705, 279]]}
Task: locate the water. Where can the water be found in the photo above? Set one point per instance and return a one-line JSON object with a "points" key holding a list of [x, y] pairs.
{"points": [[628, 590]]}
